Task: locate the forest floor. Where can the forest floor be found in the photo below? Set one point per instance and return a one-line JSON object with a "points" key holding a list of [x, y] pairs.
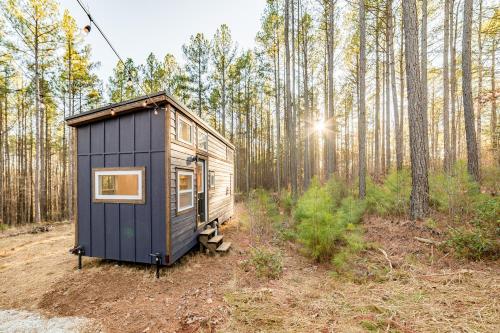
{"points": [[399, 284]]}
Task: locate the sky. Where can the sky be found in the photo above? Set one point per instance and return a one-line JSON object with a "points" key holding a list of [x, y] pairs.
{"points": [[136, 28]]}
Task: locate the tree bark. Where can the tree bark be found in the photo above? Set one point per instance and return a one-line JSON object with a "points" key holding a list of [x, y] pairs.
{"points": [[399, 155], [331, 134], [377, 96], [362, 107], [419, 199], [470, 133], [453, 83], [289, 106], [446, 89], [480, 82]]}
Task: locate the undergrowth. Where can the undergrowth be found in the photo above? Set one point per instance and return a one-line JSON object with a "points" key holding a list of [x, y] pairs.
{"points": [[326, 217], [328, 222], [267, 263]]}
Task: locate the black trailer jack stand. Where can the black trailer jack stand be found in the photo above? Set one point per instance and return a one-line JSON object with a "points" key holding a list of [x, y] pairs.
{"points": [[157, 257], [80, 251]]}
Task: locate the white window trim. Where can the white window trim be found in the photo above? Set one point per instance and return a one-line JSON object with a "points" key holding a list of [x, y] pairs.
{"points": [[179, 192], [198, 139], [190, 123], [115, 197], [227, 154]]}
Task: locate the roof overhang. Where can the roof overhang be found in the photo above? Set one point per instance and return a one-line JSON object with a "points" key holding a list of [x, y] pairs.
{"points": [[160, 99]]}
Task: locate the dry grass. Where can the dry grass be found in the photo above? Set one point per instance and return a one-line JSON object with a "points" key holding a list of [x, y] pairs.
{"points": [[425, 291]]}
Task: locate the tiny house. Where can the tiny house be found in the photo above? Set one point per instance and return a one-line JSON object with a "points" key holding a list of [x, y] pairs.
{"points": [[152, 180]]}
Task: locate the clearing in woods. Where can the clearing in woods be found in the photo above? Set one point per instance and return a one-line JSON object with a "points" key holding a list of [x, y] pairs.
{"points": [[399, 285]]}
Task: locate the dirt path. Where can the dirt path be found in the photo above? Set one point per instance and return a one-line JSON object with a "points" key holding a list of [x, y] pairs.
{"points": [[424, 291]]}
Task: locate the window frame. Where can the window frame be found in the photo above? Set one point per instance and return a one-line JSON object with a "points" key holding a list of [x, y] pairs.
{"points": [[199, 130], [182, 118], [227, 154], [181, 172], [140, 198], [211, 182]]}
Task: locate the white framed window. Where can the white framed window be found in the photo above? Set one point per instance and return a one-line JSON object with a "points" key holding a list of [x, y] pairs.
{"points": [[185, 190], [118, 185], [184, 130], [202, 140]]}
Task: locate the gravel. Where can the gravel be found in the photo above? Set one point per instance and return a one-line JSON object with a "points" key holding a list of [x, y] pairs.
{"points": [[14, 321]]}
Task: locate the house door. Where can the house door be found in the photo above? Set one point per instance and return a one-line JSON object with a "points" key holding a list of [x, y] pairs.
{"points": [[201, 185]]}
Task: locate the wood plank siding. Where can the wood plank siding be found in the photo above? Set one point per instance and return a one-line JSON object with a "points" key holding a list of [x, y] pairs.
{"points": [[184, 230]]}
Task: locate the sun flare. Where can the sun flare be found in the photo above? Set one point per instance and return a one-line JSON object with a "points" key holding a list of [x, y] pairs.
{"points": [[319, 126]]}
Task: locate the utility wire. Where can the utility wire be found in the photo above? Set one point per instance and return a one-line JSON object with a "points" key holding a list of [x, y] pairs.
{"points": [[92, 21]]}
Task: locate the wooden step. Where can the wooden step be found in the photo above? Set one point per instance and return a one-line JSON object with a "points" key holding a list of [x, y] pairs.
{"points": [[216, 239], [224, 247], [207, 232]]}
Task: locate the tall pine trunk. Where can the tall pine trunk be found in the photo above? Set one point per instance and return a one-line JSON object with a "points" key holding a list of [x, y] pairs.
{"points": [[419, 199], [470, 133], [446, 89], [362, 107]]}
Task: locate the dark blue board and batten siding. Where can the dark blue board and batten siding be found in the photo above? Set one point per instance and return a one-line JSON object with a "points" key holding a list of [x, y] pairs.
{"points": [[126, 232]]}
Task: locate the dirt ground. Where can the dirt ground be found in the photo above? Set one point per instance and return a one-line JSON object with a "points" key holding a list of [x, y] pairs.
{"points": [[399, 284]]}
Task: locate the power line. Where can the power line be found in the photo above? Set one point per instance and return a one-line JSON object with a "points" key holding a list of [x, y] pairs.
{"points": [[92, 21]]}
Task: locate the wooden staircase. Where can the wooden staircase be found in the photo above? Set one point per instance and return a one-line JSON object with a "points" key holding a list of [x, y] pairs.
{"points": [[213, 243]]}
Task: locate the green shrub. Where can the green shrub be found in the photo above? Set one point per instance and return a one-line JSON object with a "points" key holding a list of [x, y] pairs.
{"points": [[452, 193], [286, 201], [392, 197], [328, 222], [267, 263], [474, 244], [477, 213], [489, 179]]}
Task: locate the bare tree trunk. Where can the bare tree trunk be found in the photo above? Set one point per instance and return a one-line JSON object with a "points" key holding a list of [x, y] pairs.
{"points": [[470, 133], [362, 107], [278, 110], [493, 121], [419, 200], [308, 117], [480, 82], [289, 106], [453, 82], [331, 134], [38, 145], [399, 157], [387, 95], [377, 96], [423, 70], [402, 92], [446, 88]]}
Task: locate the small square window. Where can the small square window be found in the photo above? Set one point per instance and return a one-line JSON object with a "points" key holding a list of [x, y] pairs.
{"points": [[118, 185], [184, 130], [202, 140]]}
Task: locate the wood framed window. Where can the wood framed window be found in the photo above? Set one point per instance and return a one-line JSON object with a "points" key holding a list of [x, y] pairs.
{"points": [[202, 140], [184, 130], [119, 185], [185, 190]]}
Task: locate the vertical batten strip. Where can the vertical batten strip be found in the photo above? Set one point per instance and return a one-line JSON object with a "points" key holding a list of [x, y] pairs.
{"points": [[167, 182]]}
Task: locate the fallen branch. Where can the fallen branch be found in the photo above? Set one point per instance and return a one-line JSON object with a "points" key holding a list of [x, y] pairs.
{"points": [[386, 257], [428, 241]]}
